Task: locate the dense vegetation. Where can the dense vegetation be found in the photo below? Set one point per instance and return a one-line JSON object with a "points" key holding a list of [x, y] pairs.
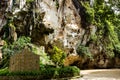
{"points": [[104, 15], [50, 66], [45, 73]]}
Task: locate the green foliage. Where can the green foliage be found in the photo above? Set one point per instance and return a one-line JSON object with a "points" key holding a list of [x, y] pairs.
{"points": [[44, 58], [115, 3], [111, 32], [4, 72], [10, 49], [17, 46], [89, 12], [50, 73], [117, 24], [93, 37], [47, 73], [107, 22], [117, 50], [57, 4], [29, 1], [58, 56], [84, 51], [104, 18], [69, 71], [102, 13]]}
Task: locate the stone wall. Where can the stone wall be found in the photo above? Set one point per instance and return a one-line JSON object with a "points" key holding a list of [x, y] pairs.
{"points": [[24, 61]]}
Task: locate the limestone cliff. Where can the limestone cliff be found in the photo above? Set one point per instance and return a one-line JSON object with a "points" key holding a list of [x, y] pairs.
{"points": [[58, 22]]}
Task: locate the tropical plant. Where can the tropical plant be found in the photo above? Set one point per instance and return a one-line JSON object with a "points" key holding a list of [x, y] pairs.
{"points": [[10, 49], [47, 73], [58, 56]]}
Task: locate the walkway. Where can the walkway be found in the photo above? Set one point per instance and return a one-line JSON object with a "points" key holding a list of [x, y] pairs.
{"points": [[100, 74]]}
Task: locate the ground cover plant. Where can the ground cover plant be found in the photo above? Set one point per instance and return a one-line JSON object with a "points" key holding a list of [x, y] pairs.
{"points": [[45, 73]]}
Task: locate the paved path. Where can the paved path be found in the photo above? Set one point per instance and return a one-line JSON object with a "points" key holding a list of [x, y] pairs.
{"points": [[100, 74]]}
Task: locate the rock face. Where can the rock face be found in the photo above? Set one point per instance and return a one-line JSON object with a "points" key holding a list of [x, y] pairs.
{"points": [[58, 22], [47, 16], [3, 6], [24, 61], [65, 22], [117, 60]]}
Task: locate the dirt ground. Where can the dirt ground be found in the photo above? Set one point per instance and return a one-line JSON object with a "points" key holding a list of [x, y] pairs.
{"points": [[100, 74]]}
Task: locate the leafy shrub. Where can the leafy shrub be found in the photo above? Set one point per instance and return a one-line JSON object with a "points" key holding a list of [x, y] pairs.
{"points": [[4, 72], [61, 72], [84, 51], [117, 50], [93, 37], [69, 71], [49, 73], [58, 56], [44, 58], [29, 1], [89, 13], [17, 46], [10, 49], [46, 73]]}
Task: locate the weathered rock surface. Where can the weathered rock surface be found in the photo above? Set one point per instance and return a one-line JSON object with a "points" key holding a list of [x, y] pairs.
{"points": [[58, 22]]}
